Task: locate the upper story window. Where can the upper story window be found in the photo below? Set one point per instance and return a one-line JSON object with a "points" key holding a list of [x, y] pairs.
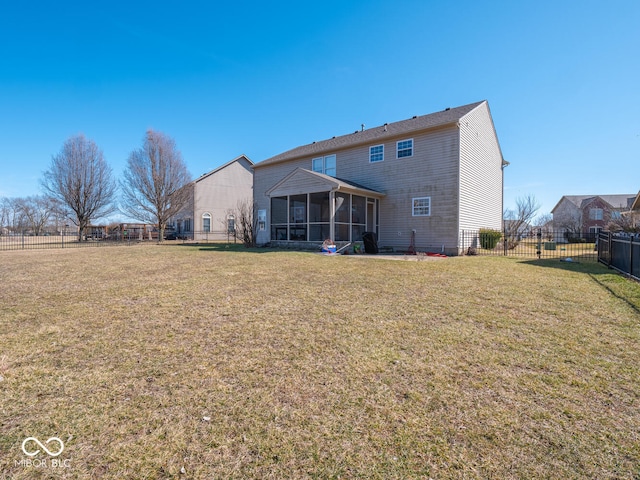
{"points": [[615, 215], [595, 214], [404, 148], [376, 153], [326, 165], [421, 207]]}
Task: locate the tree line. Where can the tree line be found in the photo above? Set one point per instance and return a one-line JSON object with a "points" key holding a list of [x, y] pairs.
{"points": [[79, 187]]}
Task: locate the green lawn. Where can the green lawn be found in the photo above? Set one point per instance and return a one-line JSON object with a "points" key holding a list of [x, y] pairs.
{"points": [[148, 361]]}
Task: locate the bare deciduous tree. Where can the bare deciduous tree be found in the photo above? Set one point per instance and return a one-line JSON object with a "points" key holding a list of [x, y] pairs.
{"points": [[518, 221], [10, 214], [544, 223], [627, 222], [80, 179], [36, 211], [153, 182], [245, 221]]}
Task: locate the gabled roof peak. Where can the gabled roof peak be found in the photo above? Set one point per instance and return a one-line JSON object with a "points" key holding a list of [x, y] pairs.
{"points": [[217, 169]]}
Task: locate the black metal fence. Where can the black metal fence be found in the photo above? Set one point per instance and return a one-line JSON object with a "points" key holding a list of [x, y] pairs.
{"points": [[620, 251], [26, 240], [536, 243], [205, 237]]}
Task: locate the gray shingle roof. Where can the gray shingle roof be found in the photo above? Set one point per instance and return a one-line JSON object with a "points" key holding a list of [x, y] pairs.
{"points": [[376, 134], [616, 201], [336, 184]]}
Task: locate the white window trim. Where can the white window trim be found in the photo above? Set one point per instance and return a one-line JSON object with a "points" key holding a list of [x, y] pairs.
{"points": [[371, 153], [208, 216], [324, 164], [413, 208], [596, 214], [398, 149]]}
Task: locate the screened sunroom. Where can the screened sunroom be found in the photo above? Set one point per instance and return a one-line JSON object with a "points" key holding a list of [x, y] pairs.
{"points": [[312, 207]]}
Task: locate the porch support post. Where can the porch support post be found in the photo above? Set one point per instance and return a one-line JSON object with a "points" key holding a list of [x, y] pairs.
{"points": [[332, 215]]}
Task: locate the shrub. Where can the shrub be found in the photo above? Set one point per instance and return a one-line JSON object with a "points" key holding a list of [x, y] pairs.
{"points": [[489, 238], [572, 237]]}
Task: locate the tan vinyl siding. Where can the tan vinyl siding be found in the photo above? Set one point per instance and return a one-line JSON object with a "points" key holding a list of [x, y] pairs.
{"points": [[480, 172], [458, 167], [430, 172], [220, 192], [301, 184]]}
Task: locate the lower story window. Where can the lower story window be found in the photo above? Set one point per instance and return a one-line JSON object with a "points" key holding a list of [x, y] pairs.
{"points": [[206, 222], [421, 206]]}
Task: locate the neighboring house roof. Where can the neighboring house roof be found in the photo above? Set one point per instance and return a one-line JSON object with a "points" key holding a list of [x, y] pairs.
{"points": [[636, 203], [324, 183], [205, 175], [614, 201], [376, 134]]}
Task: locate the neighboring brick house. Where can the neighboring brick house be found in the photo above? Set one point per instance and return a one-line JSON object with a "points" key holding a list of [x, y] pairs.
{"points": [[212, 196], [582, 216], [415, 183]]}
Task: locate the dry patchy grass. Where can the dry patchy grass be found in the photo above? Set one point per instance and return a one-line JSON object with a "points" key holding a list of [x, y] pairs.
{"points": [[151, 360]]}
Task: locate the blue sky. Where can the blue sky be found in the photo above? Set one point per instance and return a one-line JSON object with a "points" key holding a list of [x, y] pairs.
{"points": [[227, 78]]}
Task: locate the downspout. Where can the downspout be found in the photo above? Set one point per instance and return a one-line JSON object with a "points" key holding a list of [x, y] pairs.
{"points": [[505, 164]]}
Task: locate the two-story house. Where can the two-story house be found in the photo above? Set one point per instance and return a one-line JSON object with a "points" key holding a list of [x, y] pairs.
{"points": [[212, 199], [583, 216], [415, 183]]}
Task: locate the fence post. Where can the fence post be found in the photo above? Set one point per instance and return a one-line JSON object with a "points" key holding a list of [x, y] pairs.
{"points": [[631, 239]]}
